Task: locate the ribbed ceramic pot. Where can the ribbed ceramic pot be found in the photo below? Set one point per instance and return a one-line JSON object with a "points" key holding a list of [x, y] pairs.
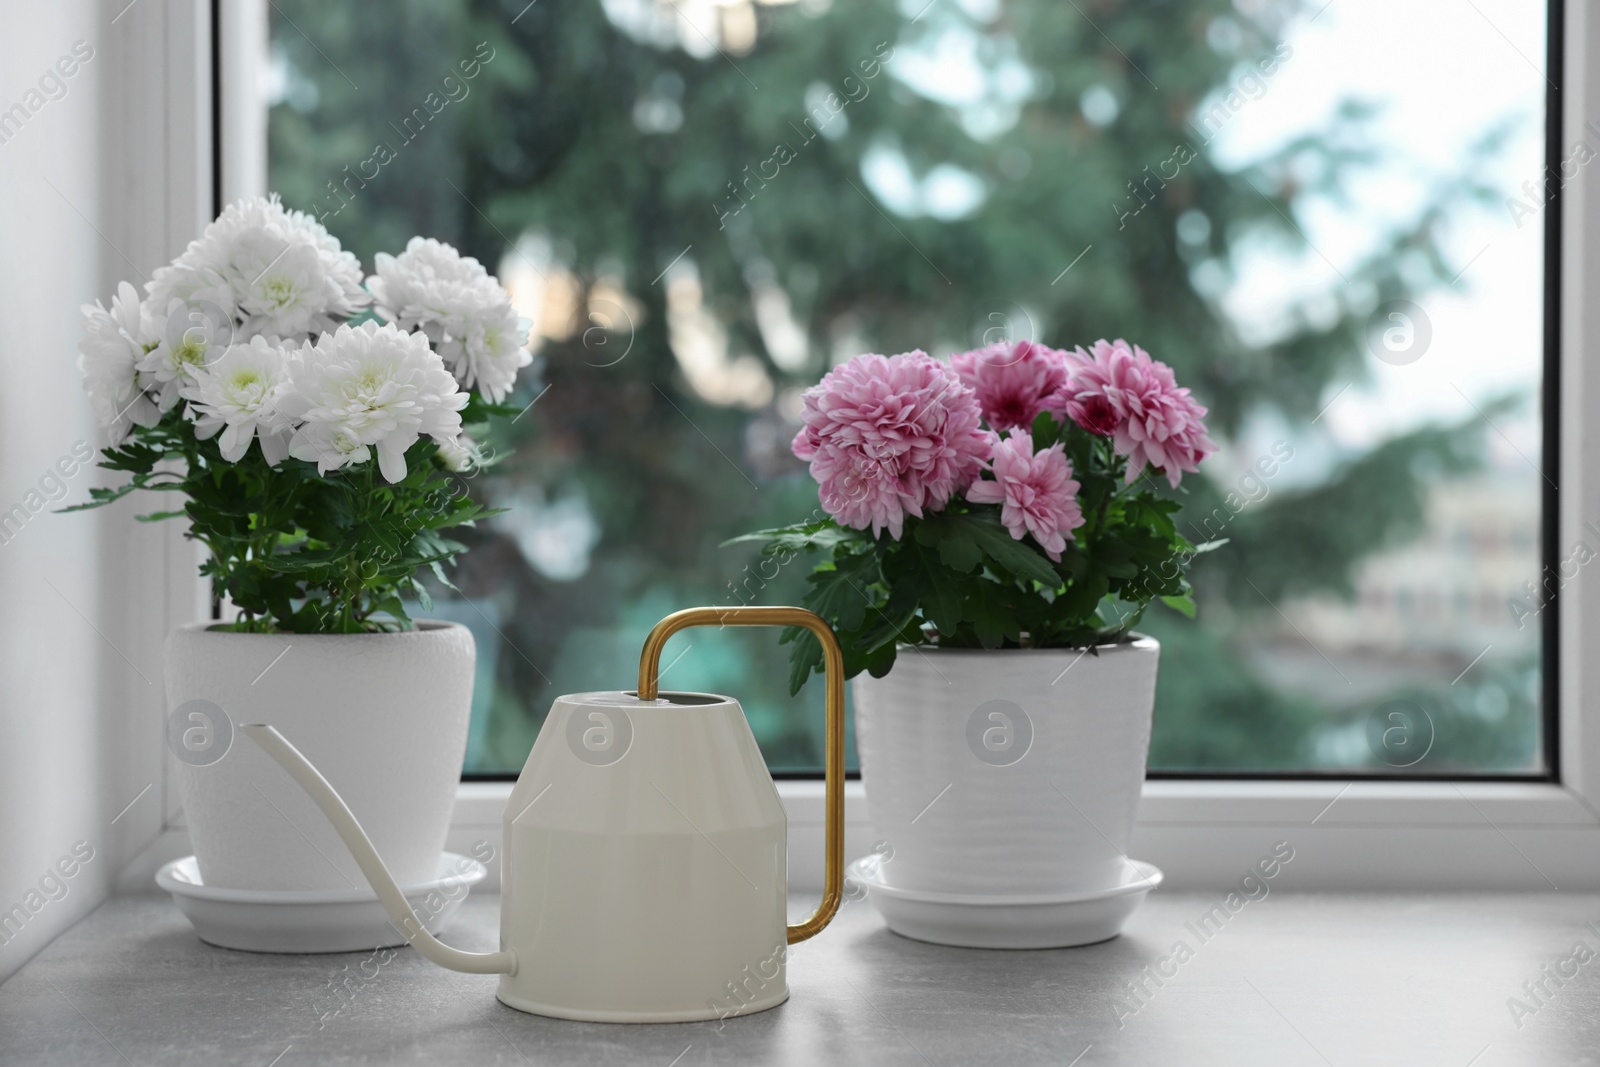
{"points": [[1006, 772], [382, 716]]}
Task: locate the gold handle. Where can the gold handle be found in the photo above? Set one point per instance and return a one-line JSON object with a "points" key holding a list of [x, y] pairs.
{"points": [[833, 745]]}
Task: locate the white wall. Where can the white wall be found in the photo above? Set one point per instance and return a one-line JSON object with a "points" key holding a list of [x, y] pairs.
{"points": [[90, 193]]}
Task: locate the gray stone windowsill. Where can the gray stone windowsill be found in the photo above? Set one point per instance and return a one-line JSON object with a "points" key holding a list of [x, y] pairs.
{"points": [[1290, 979]]}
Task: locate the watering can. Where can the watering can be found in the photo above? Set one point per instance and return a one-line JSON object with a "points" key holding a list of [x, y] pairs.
{"points": [[644, 868]]}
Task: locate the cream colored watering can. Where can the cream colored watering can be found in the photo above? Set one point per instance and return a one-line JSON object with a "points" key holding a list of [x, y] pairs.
{"points": [[644, 871]]}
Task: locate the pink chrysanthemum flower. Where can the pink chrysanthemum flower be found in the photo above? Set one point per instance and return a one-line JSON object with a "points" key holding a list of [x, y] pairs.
{"points": [[888, 437], [1092, 410], [1121, 392], [1014, 380], [1037, 492]]}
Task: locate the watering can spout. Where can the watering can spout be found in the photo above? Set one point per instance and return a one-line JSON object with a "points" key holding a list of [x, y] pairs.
{"points": [[383, 883]]}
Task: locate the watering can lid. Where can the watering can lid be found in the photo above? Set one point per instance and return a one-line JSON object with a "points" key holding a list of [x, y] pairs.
{"points": [[616, 698]]}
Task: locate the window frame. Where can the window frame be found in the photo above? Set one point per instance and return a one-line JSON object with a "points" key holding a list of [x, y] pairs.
{"points": [[1202, 829]]}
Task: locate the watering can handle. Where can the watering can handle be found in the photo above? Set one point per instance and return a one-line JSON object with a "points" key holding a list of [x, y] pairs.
{"points": [[833, 745]]}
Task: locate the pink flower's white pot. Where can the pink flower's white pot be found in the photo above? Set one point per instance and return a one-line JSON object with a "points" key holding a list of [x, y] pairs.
{"points": [[1006, 772], [383, 716]]}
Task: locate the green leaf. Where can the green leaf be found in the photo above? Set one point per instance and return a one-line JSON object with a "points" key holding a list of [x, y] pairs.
{"points": [[1183, 605], [1007, 552], [99, 498], [1114, 557], [876, 661], [804, 657], [438, 572], [880, 662], [1083, 595], [822, 535], [940, 597], [958, 549], [391, 605], [840, 592], [895, 621], [1118, 616], [993, 620], [1046, 431], [890, 628], [919, 580]]}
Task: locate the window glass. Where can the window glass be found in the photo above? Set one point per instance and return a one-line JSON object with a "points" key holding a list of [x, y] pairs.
{"points": [[1327, 217]]}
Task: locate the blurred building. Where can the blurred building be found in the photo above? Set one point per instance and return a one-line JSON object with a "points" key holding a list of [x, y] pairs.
{"points": [[1425, 610]]}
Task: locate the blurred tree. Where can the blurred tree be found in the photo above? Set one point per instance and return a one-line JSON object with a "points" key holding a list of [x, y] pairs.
{"points": [[720, 199]]}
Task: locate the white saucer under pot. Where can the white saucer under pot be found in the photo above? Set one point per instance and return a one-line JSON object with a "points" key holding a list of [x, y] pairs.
{"points": [[322, 920], [1062, 920]]}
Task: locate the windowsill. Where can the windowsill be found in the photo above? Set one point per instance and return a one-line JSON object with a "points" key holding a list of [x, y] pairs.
{"points": [[1203, 833], [1199, 801], [1288, 978]]}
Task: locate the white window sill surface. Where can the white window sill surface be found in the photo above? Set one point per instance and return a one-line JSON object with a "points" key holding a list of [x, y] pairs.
{"points": [[1363, 835], [1350, 835]]}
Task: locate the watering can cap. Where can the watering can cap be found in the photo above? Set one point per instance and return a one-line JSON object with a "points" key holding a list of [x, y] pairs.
{"points": [[615, 698]]}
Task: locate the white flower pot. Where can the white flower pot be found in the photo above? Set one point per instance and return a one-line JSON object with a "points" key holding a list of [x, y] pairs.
{"points": [[1006, 772], [383, 716]]}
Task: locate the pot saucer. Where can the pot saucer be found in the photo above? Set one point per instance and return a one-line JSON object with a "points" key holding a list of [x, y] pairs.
{"points": [[324, 920], [990, 921]]}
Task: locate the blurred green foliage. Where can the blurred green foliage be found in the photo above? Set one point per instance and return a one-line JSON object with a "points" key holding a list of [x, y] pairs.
{"points": [[627, 152]]}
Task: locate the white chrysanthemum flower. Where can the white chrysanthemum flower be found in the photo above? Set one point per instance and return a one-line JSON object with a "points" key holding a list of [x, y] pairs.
{"points": [[275, 271], [331, 446], [462, 309], [238, 394], [190, 335], [459, 454], [109, 357], [369, 386]]}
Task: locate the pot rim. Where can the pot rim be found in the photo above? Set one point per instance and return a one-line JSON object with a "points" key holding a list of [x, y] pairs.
{"points": [[1139, 643], [423, 628]]}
